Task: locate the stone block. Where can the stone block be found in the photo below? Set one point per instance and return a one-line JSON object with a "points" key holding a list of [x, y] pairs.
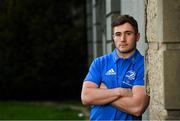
{"points": [[171, 79], [112, 6], [171, 23], [108, 28]]}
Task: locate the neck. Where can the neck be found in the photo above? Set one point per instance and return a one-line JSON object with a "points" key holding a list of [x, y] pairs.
{"points": [[125, 54]]}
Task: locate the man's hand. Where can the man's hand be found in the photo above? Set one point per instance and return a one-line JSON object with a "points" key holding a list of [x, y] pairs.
{"points": [[103, 86], [126, 92]]}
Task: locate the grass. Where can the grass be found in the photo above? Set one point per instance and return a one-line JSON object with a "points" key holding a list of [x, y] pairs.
{"points": [[41, 111]]}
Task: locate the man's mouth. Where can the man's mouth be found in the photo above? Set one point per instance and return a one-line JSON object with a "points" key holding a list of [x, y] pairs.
{"points": [[123, 45]]}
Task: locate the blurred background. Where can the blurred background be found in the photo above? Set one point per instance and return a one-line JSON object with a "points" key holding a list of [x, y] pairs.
{"points": [[46, 47], [43, 53]]}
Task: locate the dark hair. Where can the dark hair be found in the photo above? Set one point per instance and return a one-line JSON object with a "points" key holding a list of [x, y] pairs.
{"points": [[119, 20]]}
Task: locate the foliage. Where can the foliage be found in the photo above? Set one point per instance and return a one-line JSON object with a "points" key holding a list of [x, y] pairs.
{"points": [[42, 49], [38, 111]]}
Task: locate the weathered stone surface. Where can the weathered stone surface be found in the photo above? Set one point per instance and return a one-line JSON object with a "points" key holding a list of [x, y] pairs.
{"points": [[163, 58], [171, 23], [172, 79], [154, 68], [151, 20]]}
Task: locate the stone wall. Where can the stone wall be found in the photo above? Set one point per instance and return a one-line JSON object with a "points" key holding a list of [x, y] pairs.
{"points": [[163, 58]]}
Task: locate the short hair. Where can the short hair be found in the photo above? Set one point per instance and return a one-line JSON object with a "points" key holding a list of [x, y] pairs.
{"points": [[122, 19]]}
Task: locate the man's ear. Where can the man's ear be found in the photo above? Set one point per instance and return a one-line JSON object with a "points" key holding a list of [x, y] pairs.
{"points": [[137, 36]]}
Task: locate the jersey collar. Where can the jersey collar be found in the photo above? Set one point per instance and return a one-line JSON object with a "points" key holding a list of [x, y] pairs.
{"points": [[116, 57]]}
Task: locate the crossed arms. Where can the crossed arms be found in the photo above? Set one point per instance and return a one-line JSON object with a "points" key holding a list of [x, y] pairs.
{"points": [[133, 101]]}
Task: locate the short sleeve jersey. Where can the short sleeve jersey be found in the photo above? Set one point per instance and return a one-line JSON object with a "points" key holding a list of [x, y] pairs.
{"points": [[115, 72]]}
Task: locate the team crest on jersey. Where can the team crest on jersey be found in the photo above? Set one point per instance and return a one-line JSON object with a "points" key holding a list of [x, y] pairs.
{"points": [[131, 74]]}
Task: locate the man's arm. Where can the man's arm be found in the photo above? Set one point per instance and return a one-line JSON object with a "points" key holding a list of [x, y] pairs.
{"points": [[93, 95], [135, 104]]}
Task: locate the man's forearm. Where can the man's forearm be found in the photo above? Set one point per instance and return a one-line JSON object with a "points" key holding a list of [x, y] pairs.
{"points": [[98, 96], [135, 104], [93, 95], [133, 101]]}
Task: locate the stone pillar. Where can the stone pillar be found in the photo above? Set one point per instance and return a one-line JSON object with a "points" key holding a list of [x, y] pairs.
{"points": [[112, 10], [96, 27], [95, 20], [163, 58]]}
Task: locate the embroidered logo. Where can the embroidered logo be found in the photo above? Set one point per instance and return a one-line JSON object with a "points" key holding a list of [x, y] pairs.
{"points": [[131, 75], [110, 72]]}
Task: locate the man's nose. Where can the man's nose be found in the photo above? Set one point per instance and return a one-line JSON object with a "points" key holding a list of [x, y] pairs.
{"points": [[123, 37]]}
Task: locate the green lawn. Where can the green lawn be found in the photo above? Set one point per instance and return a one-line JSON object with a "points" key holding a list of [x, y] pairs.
{"points": [[41, 111]]}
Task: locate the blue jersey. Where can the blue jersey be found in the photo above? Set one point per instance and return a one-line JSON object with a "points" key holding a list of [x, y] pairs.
{"points": [[115, 72]]}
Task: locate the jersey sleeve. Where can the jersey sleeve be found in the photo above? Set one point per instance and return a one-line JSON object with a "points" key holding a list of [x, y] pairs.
{"points": [[94, 74], [140, 76]]}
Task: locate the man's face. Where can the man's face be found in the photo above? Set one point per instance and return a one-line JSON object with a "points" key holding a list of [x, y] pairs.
{"points": [[125, 38]]}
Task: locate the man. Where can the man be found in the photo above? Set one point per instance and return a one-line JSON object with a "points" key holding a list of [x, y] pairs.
{"points": [[114, 85]]}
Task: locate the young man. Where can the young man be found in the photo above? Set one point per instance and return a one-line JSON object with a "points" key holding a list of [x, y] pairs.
{"points": [[114, 85]]}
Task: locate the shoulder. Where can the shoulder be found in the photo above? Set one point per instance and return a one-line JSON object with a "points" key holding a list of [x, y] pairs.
{"points": [[139, 60], [104, 58], [138, 55], [102, 61]]}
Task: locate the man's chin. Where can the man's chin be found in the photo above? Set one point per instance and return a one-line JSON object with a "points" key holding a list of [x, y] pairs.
{"points": [[126, 51]]}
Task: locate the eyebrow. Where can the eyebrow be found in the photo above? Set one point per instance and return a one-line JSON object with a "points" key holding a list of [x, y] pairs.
{"points": [[124, 32]]}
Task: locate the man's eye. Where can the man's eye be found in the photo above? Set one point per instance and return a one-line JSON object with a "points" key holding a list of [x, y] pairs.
{"points": [[117, 34], [129, 33]]}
